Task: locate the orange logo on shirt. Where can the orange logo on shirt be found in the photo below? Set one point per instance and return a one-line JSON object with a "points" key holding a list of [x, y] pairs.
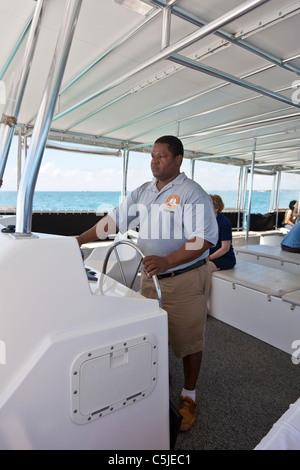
{"points": [[172, 201]]}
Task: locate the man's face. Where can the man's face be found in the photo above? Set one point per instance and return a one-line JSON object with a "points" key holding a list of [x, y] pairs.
{"points": [[164, 165]]}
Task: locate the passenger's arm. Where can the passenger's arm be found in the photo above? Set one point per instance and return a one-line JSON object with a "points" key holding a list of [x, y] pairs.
{"points": [[225, 247], [288, 219]]}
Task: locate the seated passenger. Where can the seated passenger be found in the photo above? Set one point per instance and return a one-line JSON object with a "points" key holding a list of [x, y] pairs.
{"points": [[296, 212], [291, 215], [222, 255], [291, 241]]}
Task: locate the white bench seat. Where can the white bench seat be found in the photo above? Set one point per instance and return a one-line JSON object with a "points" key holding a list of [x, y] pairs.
{"points": [[269, 255], [250, 298], [261, 278], [293, 298]]}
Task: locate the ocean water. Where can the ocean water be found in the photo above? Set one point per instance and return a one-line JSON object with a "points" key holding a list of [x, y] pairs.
{"points": [[104, 200]]}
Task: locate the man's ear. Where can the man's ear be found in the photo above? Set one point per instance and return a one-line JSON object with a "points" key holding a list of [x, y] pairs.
{"points": [[178, 159]]}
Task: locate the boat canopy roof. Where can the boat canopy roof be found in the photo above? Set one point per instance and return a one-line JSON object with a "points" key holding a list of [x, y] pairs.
{"points": [[223, 78]]}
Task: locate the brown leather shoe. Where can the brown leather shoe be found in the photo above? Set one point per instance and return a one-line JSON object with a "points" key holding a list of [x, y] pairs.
{"points": [[188, 411]]}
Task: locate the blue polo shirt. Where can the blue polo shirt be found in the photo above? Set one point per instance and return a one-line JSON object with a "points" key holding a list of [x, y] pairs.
{"points": [[225, 234], [292, 238], [168, 218]]}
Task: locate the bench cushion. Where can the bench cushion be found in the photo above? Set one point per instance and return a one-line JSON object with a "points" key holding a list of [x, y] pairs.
{"points": [[264, 279], [269, 251], [292, 297]]}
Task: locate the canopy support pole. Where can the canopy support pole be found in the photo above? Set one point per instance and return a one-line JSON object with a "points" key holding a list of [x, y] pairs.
{"points": [[44, 119], [192, 168], [125, 174], [277, 196], [250, 192], [239, 197], [12, 107]]}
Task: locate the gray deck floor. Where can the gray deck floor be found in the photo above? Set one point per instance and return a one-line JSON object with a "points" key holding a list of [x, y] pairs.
{"points": [[244, 387]]}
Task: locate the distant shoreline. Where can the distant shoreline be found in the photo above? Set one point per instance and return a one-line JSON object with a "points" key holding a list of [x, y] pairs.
{"points": [[295, 190], [95, 201]]}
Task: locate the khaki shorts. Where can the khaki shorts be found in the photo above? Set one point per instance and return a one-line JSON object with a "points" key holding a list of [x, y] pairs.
{"points": [[185, 299]]}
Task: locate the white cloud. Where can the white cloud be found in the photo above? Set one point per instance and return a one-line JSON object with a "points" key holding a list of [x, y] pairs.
{"points": [[62, 171], [54, 178]]}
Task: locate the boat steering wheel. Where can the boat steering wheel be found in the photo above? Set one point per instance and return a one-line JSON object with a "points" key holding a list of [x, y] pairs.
{"points": [[137, 249]]}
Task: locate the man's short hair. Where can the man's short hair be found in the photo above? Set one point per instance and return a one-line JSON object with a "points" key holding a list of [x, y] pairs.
{"points": [[175, 144]]}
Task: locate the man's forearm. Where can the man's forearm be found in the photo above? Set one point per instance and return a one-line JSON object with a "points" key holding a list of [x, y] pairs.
{"points": [[105, 227], [187, 253], [88, 236]]}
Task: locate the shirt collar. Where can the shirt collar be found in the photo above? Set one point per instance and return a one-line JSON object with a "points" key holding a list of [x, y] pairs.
{"points": [[178, 180]]}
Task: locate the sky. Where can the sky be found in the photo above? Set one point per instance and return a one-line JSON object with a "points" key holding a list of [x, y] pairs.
{"points": [[65, 171]]}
